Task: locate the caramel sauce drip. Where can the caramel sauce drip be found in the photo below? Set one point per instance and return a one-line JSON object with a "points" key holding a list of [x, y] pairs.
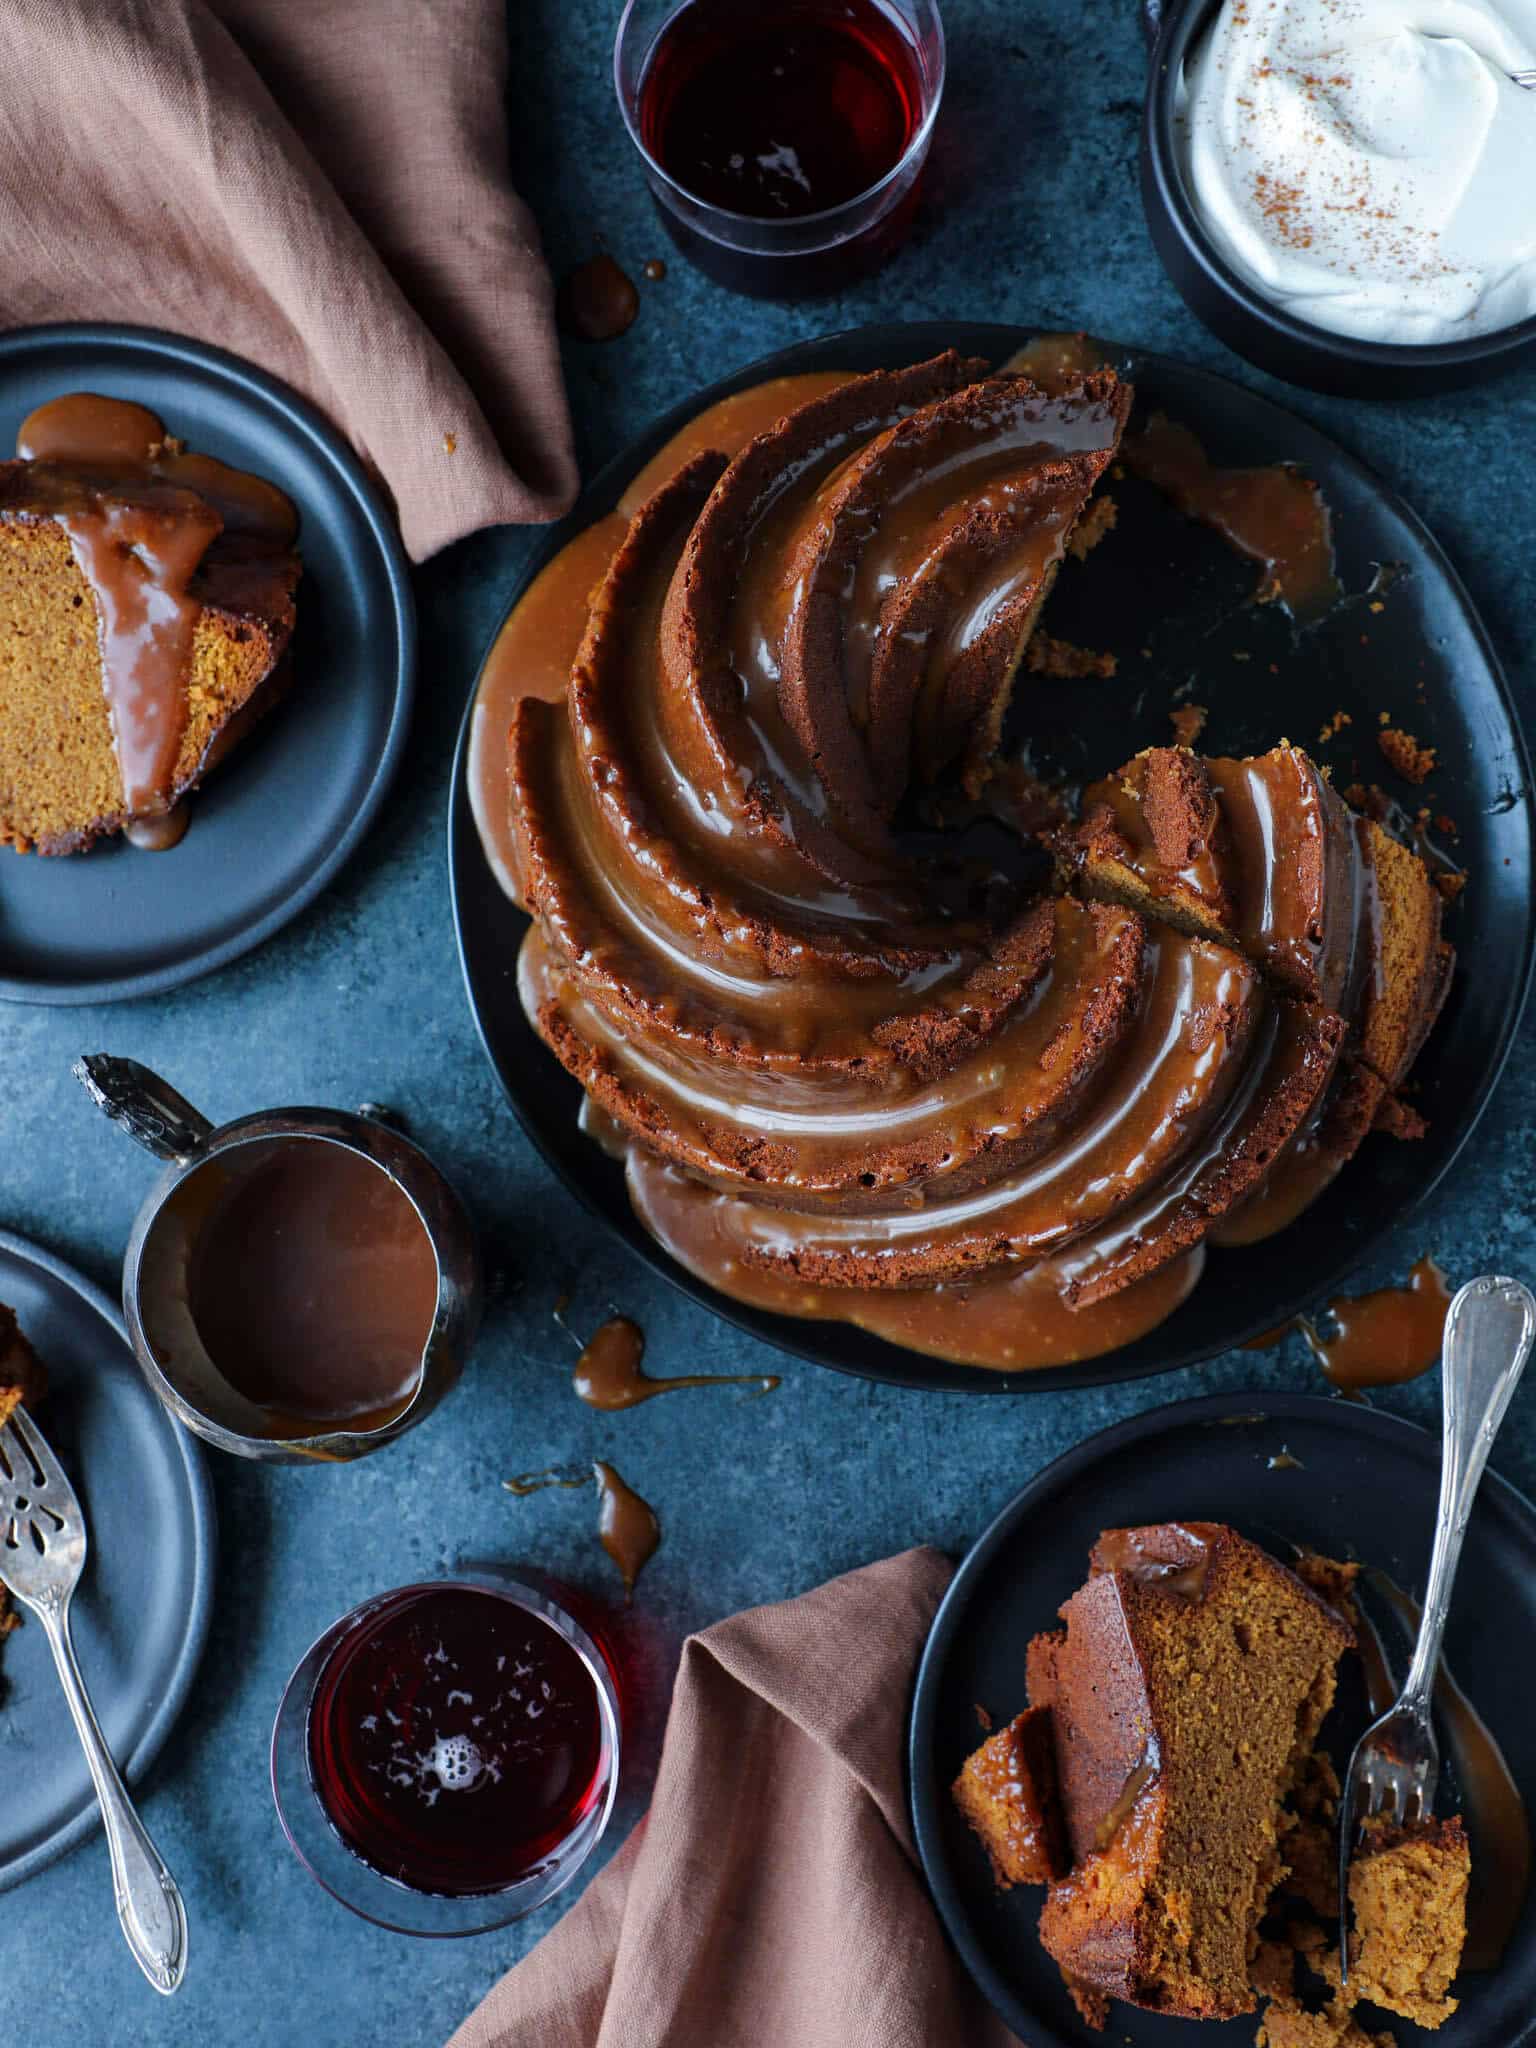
{"points": [[627, 1526], [1117, 1816], [542, 1480], [158, 834], [597, 301], [1015, 1319], [1496, 1814], [1386, 1337], [1382, 1338], [1274, 515], [141, 513], [608, 1373]]}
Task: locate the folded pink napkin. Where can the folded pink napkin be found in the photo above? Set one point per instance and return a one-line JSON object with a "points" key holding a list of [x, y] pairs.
{"points": [[319, 185], [770, 1899]]}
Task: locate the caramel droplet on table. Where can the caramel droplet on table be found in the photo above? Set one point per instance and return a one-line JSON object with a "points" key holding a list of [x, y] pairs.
{"points": [[608, 1371], [597, 301], [540, 1482], [655, 270], [1274, 515], [1386, 1337], [626, 1525]]}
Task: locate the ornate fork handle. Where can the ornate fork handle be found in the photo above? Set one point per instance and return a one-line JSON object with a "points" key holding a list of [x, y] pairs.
{"points": [[1488, 1334], [154, 1920]]}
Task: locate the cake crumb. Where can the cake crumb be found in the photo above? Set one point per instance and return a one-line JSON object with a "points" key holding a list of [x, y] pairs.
{"points": [[450, 443], [1451, 885], [1408, 1888], [1334, 727], [1397, 1120], [1188, 723], [1052, 657], [1091, 2004], [983, 1718], [1098, 520], [1412, 760]]}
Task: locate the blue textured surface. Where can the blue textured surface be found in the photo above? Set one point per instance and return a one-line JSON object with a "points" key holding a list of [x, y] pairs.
{"points": [[1033, 217]]}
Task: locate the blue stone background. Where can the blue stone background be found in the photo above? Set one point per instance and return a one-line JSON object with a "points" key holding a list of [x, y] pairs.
{"points": [[1032, 216]]}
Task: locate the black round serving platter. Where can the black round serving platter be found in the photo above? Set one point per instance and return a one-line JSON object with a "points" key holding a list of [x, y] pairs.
{"points": [[272, 824], [1174, 604], [1364, 1486]]}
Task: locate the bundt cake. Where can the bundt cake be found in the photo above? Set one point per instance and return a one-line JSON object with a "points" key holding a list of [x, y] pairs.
{"points": [[22, 1379], [1183, 1696], [146, 604], [861, 1074]]}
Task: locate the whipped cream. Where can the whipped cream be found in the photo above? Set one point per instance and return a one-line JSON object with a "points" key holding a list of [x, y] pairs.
{"points": [[1369, 165]]}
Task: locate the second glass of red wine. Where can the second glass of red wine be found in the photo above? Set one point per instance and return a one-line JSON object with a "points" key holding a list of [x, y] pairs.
{"points": [[445, 1757], [784, 144]]}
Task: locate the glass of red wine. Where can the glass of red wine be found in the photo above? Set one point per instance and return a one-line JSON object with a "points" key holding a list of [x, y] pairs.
{"points": [[445, 1757], [783, 144]]}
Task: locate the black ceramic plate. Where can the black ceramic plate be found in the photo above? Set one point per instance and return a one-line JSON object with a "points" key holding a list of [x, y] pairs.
{"points": [[141, 1613], [1366, 1486], [272, 825], [1172, 602]]}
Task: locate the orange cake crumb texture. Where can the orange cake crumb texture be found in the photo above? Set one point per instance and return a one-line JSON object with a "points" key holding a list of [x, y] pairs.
{"points": [[21, 1379], [1414, 762], [1048, 656]]}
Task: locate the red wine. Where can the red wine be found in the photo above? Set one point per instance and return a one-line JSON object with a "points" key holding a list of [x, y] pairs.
{"points": [[780, 111], [455, 1740]]}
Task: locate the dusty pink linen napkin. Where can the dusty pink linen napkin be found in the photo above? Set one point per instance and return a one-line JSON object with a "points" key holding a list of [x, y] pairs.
{"points": [[319, 185], [770, 1899]]}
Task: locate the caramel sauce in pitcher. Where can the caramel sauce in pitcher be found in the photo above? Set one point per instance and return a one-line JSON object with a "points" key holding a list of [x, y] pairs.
{"points": [[313, 1285]]}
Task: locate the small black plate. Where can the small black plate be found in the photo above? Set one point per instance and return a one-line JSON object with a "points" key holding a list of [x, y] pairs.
{"points": [[1366, 1487], [141, 1615], [1180, 622], [271, 827]]}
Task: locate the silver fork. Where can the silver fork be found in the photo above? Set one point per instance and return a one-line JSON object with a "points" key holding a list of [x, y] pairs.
{"points": [[1396, 1764], [42, 1554]]}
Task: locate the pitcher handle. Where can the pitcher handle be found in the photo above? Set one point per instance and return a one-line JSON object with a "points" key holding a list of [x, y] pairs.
{"points": [[148, 1108]]}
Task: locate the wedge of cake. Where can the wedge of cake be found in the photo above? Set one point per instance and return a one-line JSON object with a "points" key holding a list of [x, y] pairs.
{"points": [[146, 605], [1184, 1695]]}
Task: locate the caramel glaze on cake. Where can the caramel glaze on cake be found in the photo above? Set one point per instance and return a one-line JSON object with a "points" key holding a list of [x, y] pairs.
{"points": [[146, 604], [1007, 1792], [1264, 856], [853, 1076]]}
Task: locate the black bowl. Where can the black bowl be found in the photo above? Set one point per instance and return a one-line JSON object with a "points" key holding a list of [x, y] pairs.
{"points": [[1243, 318]]}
